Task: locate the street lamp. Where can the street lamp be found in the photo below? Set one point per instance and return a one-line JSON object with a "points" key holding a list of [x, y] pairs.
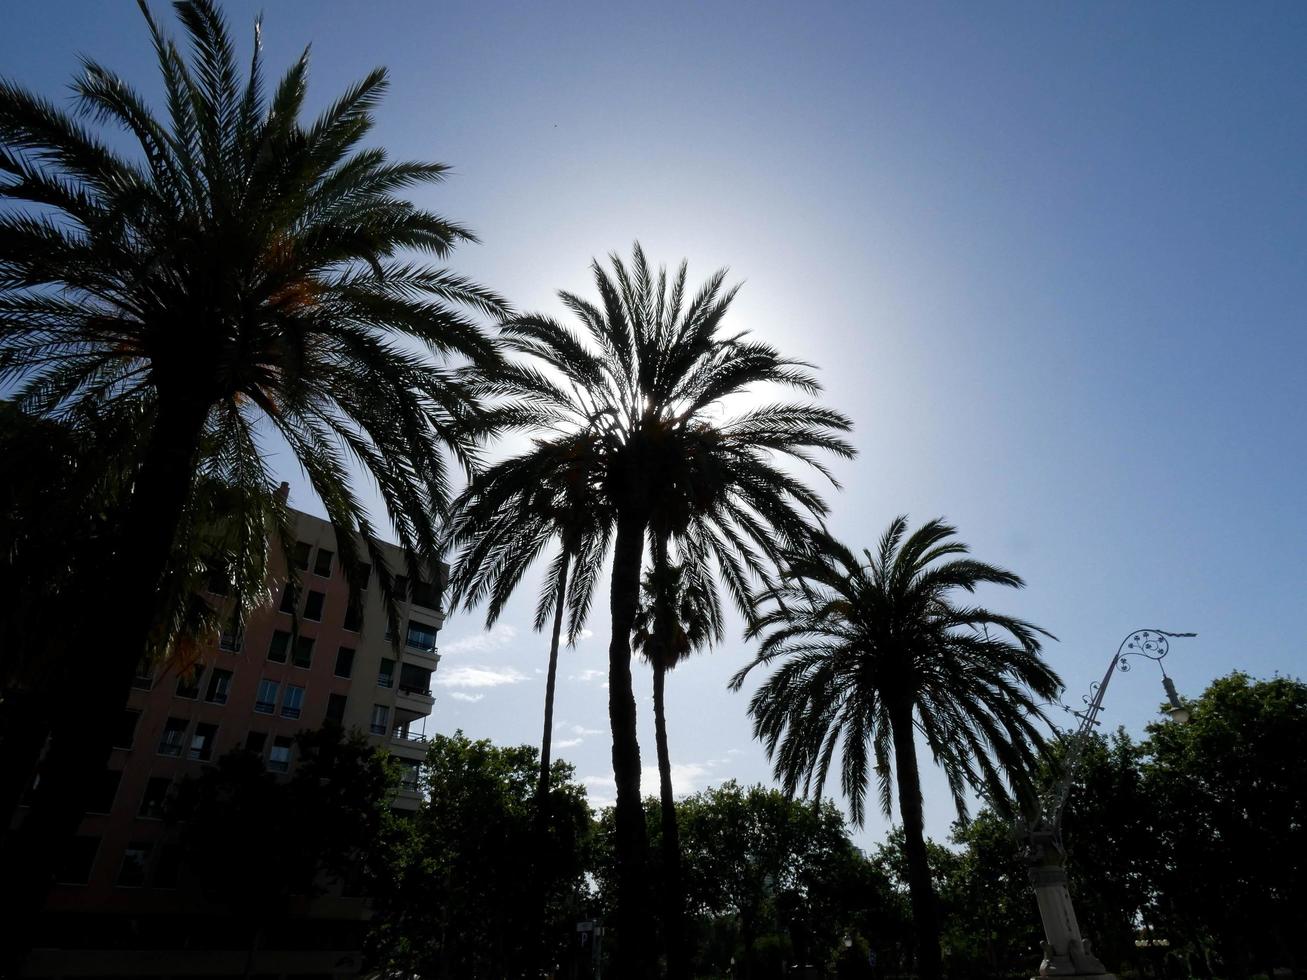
{"points": [[1066, 952]]}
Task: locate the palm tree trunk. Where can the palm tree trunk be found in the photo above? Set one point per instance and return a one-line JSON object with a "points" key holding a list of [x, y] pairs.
{"points": [[634, 951], [925, 916], [121, 622], [546, 741], [674, 939]]}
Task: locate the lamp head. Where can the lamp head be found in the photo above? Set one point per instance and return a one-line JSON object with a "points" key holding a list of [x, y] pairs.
{"points": [[1178, 711]]}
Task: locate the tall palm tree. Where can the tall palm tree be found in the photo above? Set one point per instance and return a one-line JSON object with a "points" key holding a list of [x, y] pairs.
{"points": [[649, 377], [679, 614], [238, 278], [873, 650], [505, 519]]}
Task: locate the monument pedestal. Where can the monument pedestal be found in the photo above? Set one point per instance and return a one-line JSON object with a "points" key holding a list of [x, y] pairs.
{"points": [[1066, 952]]}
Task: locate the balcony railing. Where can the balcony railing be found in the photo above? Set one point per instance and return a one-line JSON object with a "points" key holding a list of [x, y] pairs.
{"points": [[422, 692], [408, 736]]}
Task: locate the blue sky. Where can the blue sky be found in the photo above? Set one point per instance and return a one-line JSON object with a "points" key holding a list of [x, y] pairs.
{"points": [[1051, 258]]}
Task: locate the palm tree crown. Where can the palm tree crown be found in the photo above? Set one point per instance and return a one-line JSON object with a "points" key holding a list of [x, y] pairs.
{"points": [[240, 275], [645, 381], [872, 651], [680, 612], [856, 637]]}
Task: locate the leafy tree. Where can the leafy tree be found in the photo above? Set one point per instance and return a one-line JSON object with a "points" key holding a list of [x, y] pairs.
{"points": [[991, 924], [649, 386], [1227, 799], [1108, 830], [457, 900], [251, 840], [239, 272], [768, 878], [873, 650], [680, 613]]}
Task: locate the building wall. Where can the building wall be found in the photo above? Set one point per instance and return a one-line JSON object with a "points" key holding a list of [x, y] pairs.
{"points": [[124, 826]]}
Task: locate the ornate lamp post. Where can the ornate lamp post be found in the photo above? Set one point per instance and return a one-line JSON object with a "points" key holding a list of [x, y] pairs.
{"points": [[1066, 952]]}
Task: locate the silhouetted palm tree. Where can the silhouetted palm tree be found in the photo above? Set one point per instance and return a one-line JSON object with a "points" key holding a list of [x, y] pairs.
{"points": [[649, 387], [872, 650], [679, 614], [508, 515], [235, 280]]}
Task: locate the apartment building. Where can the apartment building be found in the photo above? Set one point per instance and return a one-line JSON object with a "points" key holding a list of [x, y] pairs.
{"points": [[123, 906]]}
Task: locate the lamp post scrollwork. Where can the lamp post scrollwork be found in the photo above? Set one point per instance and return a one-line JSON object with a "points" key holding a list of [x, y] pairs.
{"points": [[1066, 952]]}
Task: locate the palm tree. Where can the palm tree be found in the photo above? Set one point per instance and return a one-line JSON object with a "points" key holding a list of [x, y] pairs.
{"points": [[505, 519], [237, 279], [873, 650], [649, 386], [680, 614]]}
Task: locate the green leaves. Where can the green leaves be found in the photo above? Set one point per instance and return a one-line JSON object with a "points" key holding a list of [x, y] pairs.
{"points": [[854, 635], [252, 265]]}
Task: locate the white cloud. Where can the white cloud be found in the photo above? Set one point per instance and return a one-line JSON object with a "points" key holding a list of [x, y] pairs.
{"points": [[464, 696], [685, 777], [601, 791], [568, 743], [584, 635], [588, 675], [495, 639], [582, 730], [478, 675]]}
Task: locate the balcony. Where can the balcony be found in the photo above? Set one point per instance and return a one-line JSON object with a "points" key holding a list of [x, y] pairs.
{"points": [[417, 700], [427, 657], [408, 745]]}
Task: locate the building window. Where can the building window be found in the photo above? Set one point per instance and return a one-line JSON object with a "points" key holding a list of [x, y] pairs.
{"points": [[144, 679], [232, 638], [354, 614], [408, 774], [364, 575], [279, 757], [78, 859], [399, 588], [313, 606], [132, 872], [426, 594], [303, 651], [414, 680], [174, 735], [155, 799], [292, 701], [255, 742], [345, 662], [421, 636], [266, 703], [106, 788], [336, 709], [386, 675], [380, 713], [288, 596], [278, 647], [202, 741], [188, 682], [125, 736], [302, 551], [322, 565], [219, 687]]}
